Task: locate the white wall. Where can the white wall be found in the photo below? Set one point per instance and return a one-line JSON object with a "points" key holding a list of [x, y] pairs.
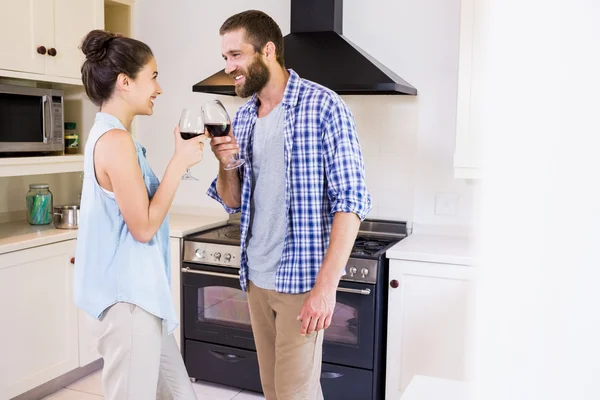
{"points": [[408, 142]]}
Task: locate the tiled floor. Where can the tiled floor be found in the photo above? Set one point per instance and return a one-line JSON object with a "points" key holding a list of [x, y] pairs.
{"points": [[90, 388]]}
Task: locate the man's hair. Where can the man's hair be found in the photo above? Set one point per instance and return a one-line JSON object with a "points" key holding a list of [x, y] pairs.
{"points": [[260, 29]]}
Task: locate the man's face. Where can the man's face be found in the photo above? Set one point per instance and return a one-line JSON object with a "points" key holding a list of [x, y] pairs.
{"points": [[244, 64]]}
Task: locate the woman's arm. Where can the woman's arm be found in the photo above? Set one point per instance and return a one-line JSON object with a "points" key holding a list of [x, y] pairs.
{"points": [[117, 170]]}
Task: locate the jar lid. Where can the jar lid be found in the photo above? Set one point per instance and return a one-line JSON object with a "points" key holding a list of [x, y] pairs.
{"points": [[39, 186], [70, 125]]}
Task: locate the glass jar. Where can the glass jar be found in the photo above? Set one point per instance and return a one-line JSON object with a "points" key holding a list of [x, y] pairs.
{"points": [[71, 138], [39, 204]]}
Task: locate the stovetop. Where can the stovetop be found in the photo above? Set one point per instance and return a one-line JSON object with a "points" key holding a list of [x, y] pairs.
{"points": [[367, 245], [228, 234], [221, 247]]}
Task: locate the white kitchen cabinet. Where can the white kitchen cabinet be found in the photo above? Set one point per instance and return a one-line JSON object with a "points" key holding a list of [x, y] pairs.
{"points": [[25, 26], [176, 245], [427, 322], [39, 39], [73, 19], [467, 153], [88, 349], [39, 335]]}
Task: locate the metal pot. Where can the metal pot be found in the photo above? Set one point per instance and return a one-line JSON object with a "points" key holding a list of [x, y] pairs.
{"points": [[66, 217]]}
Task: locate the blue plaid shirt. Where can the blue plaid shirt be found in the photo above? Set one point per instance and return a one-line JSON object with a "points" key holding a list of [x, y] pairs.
{"points": [[325, 174]]}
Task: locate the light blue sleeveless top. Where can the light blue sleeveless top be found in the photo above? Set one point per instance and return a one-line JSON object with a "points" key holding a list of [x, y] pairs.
{"points": [[110, 265]]}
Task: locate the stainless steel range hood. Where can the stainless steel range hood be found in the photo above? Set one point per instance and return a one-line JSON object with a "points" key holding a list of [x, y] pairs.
{"points": [[317, 50]]}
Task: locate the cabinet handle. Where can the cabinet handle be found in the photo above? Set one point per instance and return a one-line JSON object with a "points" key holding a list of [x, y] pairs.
{"points": [[52, 52], [73, 260], [41, 50], [394, 284]]}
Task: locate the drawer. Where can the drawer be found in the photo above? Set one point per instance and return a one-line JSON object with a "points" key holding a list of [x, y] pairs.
{"points": [[220, 364], [346, 383]]}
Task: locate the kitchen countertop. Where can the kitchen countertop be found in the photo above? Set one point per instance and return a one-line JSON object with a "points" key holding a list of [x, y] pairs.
{"points": [[185, 224], [429, 388], [442, 249], [19, 235]]}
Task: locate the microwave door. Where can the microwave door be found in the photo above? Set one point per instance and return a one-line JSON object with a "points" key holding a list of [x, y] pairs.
{"points": [[30, 120], [22, 123]]}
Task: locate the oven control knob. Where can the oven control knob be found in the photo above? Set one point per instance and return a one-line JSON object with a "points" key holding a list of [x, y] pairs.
{"points": [[227, 257], [200, 254], [353, 271], [364, 272], [217, 256]]}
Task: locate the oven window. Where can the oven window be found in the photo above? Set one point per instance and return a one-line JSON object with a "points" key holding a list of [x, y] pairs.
{"points": [[344, 325], [222, 305]]}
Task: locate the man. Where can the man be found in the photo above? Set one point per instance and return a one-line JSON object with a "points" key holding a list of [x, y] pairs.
{"points": [[302, 195]]}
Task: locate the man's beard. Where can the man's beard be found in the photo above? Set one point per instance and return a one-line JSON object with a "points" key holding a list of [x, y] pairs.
{"points": [[256, 77]]}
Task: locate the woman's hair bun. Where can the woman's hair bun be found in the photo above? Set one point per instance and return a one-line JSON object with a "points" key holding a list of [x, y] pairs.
{"points": [[95, 44]]}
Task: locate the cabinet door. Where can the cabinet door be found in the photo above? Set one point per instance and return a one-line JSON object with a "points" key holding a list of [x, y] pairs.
{"points": [[25, 25], [467, 154], [73, 19], [427, 323], [88, 348], [38, 339], [176, 244]]}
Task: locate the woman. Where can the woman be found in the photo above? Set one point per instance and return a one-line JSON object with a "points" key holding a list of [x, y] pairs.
{"points": [[122, 266]]}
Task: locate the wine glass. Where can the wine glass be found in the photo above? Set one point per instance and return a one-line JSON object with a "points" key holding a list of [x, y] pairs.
{"points": [[218, 123], [191, 125]]}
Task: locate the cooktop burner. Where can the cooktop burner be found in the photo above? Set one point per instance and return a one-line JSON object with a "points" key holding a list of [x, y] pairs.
{"points": [[233, 234], [228, 234], [366, 246]]}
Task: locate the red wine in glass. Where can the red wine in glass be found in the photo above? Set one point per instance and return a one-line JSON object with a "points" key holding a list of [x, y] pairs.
{"points": [[217, 130], [218, 123], [191, 125], [189, 135]]}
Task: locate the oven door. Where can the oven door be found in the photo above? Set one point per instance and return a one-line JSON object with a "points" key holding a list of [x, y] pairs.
{"points": [[215, 309], [349, 339]]}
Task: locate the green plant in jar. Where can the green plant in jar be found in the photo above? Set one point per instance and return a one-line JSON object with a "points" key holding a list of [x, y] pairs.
{"points": [[39, 204]]}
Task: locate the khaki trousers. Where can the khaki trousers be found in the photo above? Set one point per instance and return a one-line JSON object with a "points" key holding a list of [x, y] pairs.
{"points": [[290, 364], [141, 362]]}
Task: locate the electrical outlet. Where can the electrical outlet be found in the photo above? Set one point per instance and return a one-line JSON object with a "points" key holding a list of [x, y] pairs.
{"points": [[446, 204]]}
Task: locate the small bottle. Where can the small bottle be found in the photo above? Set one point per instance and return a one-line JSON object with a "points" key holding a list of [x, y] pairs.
{"points": [[71, 138], [39, 204]]}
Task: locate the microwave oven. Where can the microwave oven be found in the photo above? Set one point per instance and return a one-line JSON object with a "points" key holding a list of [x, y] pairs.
{"points": [[31, 120]]}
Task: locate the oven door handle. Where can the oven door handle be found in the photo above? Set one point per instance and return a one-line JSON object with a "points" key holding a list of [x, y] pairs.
{"points": [[331, 375], [219, 274], [364, 292]]}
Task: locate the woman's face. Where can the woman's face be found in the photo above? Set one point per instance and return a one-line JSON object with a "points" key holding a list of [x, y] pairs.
{"points": [[144, 89]]}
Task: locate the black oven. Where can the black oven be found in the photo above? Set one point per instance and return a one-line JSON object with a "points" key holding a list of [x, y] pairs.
{"points": [[217, 341]]}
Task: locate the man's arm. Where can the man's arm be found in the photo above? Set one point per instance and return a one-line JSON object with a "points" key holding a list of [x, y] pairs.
{"points": [[350, 203], [227, 188], [318, 307]]}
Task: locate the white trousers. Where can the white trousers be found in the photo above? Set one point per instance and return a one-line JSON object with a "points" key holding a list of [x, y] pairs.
{"points": [[141, 362]]}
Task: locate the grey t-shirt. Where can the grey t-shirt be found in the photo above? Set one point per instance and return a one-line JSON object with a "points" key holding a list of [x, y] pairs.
{"points": [[267, 203]]}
